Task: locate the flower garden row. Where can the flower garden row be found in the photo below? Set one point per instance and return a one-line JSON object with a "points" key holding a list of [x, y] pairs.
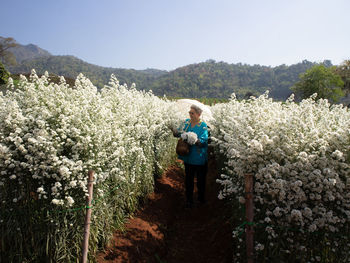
{"points": [[299, 155], [50, 136]]}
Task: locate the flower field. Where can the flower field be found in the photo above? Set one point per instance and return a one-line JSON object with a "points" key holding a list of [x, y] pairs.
{"points": [[50, 136], [299, 155]]}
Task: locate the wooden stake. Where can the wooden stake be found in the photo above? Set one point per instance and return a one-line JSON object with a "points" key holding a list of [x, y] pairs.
{"points": [[249, 211], [87, 217]]}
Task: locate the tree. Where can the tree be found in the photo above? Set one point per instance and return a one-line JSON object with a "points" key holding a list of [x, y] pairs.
{"points": [[5, 55], [343, 70], [4, 74], [321, 80], [248, 94]]}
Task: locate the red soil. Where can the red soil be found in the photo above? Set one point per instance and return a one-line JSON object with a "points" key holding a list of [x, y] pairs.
{"points": [[164, 232]]}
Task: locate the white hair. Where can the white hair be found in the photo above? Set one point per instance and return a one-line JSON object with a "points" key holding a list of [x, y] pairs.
{"points": [[197, 109]]}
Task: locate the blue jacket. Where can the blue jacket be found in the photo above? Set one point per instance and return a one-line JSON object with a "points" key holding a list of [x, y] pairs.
{"points": [[198, 154]]}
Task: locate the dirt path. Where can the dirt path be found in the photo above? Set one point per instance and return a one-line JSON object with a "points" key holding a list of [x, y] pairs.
{"points": [[164, 232]]}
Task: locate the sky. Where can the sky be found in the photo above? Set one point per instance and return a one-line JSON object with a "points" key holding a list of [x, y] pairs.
{"points": [[167, 34]]}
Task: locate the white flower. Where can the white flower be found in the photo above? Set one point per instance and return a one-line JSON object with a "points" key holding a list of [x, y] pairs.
{"points": [[57, 201], [312, 228], [255, 145], [70, 200], [190, 137], [40, 190], [241, 199], [277, 212], [32, 140], [64, 171], [307, 212], [332, 181], [267, 220], [337, 154], [303, 155], [259, 247]]}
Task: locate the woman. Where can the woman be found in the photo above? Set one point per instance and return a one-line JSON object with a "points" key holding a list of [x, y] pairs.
{"points": [[196, 162]]}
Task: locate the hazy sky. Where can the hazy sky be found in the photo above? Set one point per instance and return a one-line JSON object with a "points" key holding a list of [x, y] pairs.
{"points": [[166, 34]]}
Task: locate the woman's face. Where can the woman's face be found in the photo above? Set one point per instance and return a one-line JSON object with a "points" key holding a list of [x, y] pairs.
{"points": [[193, 115]]}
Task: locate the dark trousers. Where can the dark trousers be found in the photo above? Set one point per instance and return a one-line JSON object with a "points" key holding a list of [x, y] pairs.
{"points": [[191, 171]]}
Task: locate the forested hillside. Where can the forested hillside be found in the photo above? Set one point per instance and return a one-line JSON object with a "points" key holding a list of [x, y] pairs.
{"points": [[70, 66], [23, 52], [220, 80], [208, 79]]}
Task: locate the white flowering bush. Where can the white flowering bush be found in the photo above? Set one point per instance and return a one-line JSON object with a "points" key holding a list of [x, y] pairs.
{"points": [[50, 136], [299, 155]]}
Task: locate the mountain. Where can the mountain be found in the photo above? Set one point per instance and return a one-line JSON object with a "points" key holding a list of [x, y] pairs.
{"points": [[209, 79], [219, 80], [29, 51], [70, 66], [24, 52]]}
